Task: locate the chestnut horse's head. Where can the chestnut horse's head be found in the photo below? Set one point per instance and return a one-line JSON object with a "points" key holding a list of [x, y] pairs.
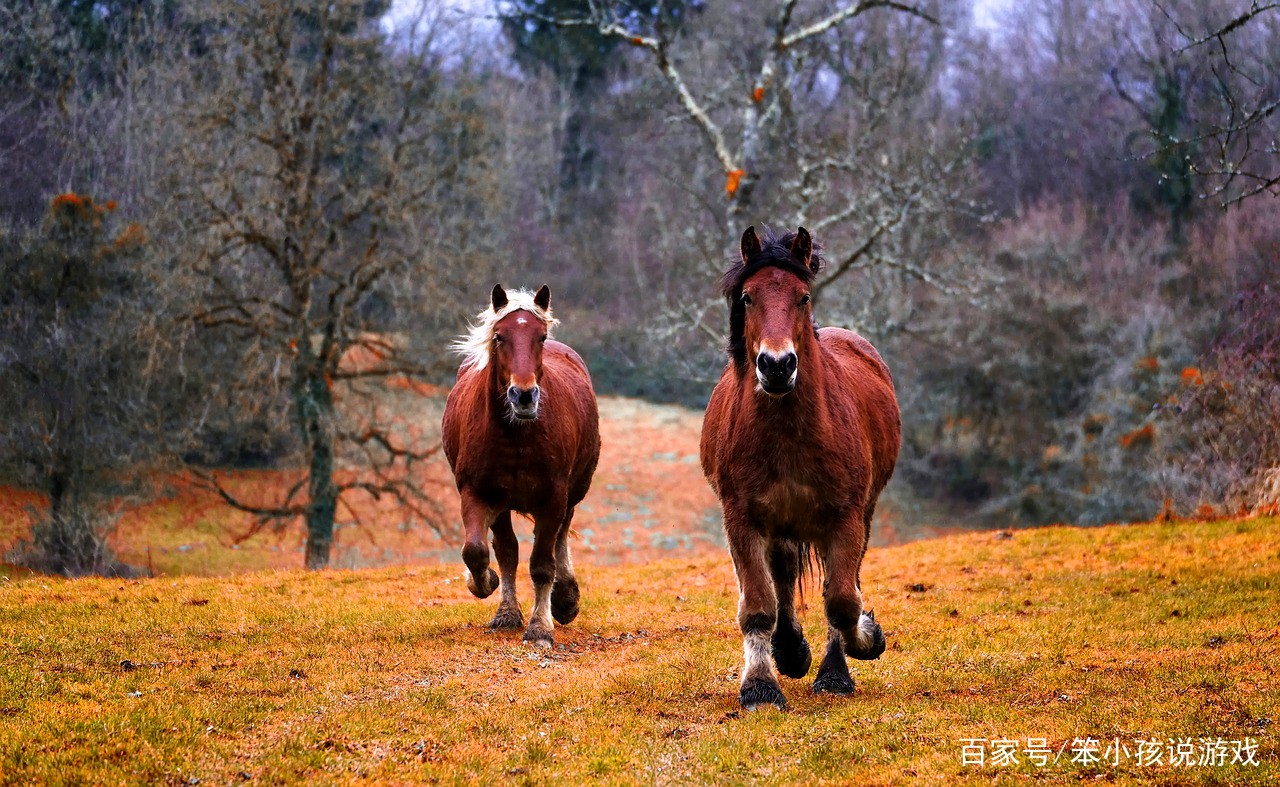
{"points": [[510, 336], [770, 319]]}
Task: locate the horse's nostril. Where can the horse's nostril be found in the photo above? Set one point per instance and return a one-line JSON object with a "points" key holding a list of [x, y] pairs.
{"points": [[791, 362], [526, 397], [762, 363]]}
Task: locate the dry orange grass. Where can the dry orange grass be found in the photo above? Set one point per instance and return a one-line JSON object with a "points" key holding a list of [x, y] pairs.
{"points": [[1165, 630]]}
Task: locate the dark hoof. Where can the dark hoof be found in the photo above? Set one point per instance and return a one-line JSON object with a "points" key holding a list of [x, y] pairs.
{"points": [[539, 638], [833, 683], [483, 589], [507, 619], [791, 653], [867, 625], [564, 602], [756, 692]]}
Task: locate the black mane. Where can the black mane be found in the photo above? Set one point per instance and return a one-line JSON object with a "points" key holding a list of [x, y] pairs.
{"points": [[775, 252]]}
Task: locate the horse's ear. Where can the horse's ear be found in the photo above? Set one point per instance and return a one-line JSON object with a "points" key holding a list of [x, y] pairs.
{"points": [[750, 243], [498, 298], [802, 249], [542, 298]]}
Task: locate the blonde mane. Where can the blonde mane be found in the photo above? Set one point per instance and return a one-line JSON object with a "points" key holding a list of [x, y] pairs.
{"points": [[475, 344]]}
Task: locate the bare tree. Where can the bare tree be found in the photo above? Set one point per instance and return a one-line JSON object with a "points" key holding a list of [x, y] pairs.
{"points": [[823, 116], [764, 102], [1242, 139], [337, 190]]}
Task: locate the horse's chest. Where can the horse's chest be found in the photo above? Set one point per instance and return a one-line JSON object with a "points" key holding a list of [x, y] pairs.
{"points": [[514, 478], [792, 487], [786, 501]]}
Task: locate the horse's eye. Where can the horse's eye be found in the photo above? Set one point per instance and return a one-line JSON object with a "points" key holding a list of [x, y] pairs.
{"points": [[497, 338], [805, 300], [746, 299], [542, 340]]}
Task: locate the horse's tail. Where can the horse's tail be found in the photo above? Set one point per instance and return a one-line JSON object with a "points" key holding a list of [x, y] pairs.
{"points": [[808, 567]]}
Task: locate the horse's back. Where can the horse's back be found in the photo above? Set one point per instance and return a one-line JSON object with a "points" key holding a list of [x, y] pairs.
{"points": [[855, 352], [569, 376], [867, 383], [567, 381]]}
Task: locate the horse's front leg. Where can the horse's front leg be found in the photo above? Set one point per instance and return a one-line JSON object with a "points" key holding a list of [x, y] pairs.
{"points": [[542, 570], [506, 548], [757, 612], [850, 630], [477, 518]]}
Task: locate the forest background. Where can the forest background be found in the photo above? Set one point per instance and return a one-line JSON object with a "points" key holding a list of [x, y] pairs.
{"points": [[228, 229]]}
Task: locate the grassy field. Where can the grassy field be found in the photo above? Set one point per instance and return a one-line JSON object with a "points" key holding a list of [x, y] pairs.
{"points": [[1167, 632]]}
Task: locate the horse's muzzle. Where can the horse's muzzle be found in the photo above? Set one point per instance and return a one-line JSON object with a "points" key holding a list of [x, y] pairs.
{"points": [[777, 373], [523, 401]]}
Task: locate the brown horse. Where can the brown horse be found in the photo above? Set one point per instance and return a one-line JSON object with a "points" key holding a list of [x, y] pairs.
{"points": [[800, 437], [522, 433]]}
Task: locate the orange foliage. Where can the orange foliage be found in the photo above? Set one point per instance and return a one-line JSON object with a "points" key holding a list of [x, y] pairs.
{"points": [[758, 94], [731, 185], [1191, 376], [637, 40], [111, 204], [1149, 364], [133, 235], [369, 352], [70, 199], [1139, 438], [417, 386]]}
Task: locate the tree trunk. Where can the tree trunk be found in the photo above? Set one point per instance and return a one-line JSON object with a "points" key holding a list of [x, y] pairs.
{"points": [[315, 416]]}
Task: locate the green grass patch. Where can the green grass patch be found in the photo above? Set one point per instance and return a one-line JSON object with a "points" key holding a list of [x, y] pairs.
{"points": [[1164, 632]]}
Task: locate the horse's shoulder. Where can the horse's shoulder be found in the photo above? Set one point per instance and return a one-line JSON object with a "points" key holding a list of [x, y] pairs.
{"points": [[850, 347]]}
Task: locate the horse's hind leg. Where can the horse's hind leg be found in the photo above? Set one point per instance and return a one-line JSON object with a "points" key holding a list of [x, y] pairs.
{"points": [[476, 520], [833, 673], [564, 592], [507, 550], [790, 650]]}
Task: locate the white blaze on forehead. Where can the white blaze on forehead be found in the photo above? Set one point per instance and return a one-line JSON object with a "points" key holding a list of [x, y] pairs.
{"points": [[474, 346], [521, 321]]}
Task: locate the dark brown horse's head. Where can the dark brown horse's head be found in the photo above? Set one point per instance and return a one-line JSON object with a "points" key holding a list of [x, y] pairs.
{"points": [[770, 318], [518, 336]]}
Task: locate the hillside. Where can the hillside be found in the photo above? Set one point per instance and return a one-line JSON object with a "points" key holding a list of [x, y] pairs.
{"points": [[1161, 632], [648, 501]]}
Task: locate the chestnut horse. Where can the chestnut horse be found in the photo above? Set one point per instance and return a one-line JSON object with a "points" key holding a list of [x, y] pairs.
{"points": [[800, 437], [522, 433]]}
